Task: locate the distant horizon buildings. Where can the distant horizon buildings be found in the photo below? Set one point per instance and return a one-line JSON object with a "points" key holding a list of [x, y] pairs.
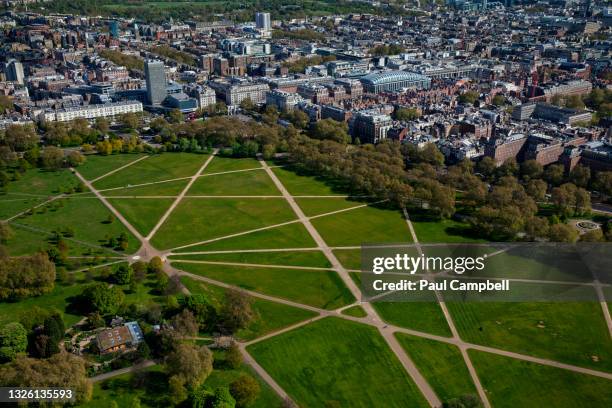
{"points": [[155, 76], [262, 21]]}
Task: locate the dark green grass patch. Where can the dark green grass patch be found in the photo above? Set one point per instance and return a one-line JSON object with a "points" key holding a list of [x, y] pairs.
{"points": [[525, 384], [337, 360], [441, 364], [322, 289]]}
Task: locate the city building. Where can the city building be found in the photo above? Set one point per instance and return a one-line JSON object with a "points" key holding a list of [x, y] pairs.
{"points": [[392, 81], [262, 21], [14, 71], [370, 126], [235, 91], [119, 338], [155, 75], [91, 111], [283, 101]]}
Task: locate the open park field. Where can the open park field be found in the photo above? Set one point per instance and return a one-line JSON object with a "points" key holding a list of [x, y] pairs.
{"points": [[292, 242]]}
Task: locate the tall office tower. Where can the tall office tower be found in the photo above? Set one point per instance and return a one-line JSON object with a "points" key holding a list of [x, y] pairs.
{"points": [[484, 4], [14, 71], [156, 82], [262, 21], [113, 27]]}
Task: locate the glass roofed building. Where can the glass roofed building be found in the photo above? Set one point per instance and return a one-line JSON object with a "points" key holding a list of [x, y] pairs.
{"points": [[391, 81]]}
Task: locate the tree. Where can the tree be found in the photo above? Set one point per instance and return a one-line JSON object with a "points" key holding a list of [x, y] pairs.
{"points": [[233, 356], [52, 157], [562, 233], [135, 402], [177, 390], [6, 232], [603, 182], [26, 276], [498, 100], [407, 114], [103, 298], [236, 312], [486, 166], [13, 341], [531, 169], [595, 235], [129, 120], [62, 370], [222, 398], [54, 327], [102, 125], [156, 265], [247, 105], [189, 362], [245, 390], [176, 116], [536, 227], [185, 323], [20, 137], [464, 401], [469, 97], [431, 154], [123, 274], [536, 189], [554, 174], [509, 168], [580, 175], [75, 158], [329, 129]]}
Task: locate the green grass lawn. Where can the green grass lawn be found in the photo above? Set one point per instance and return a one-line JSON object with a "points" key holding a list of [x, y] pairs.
{"points": [[443, 231], [441, 364], [121, 389], [318, 206], [170, 188], [144, 213], [13, 204], [97, 165], [155, 168], [322, 289], [256, 182], [222, 164], [196, 219], [349, 258], [44, 183], [363, 225], [314, 258], [304, 185], [337, 360], [355, 311], [419, 315], [292, 235], [514, 383], [87, 218], [270, 316], [574, 333]]}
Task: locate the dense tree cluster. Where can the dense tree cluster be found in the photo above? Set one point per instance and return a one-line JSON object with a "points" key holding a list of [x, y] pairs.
{"points": [[299, 65], [119, 58], [26, 276], [169, 52], [62, 370], [382, 50]]}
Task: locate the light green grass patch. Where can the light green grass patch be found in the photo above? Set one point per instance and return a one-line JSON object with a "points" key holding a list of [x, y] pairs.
{"points": [[170, 188], [363, 225], [313, 258], [441, 364], [292, 235], [425, 316], [337, 360], [355, 311], [43, 182], [86, 217], [195, 219], [255, 182], [143, 213], [574, 333], [525, 384], [318, 206], [349, 258], [12, 204], [270, 316], [323, 289], [97, 165], [155, 168], [222, 164], [303, 185]]}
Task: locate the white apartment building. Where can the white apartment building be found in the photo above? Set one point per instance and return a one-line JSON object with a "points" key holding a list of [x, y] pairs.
{"points": [[91, 111]]}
